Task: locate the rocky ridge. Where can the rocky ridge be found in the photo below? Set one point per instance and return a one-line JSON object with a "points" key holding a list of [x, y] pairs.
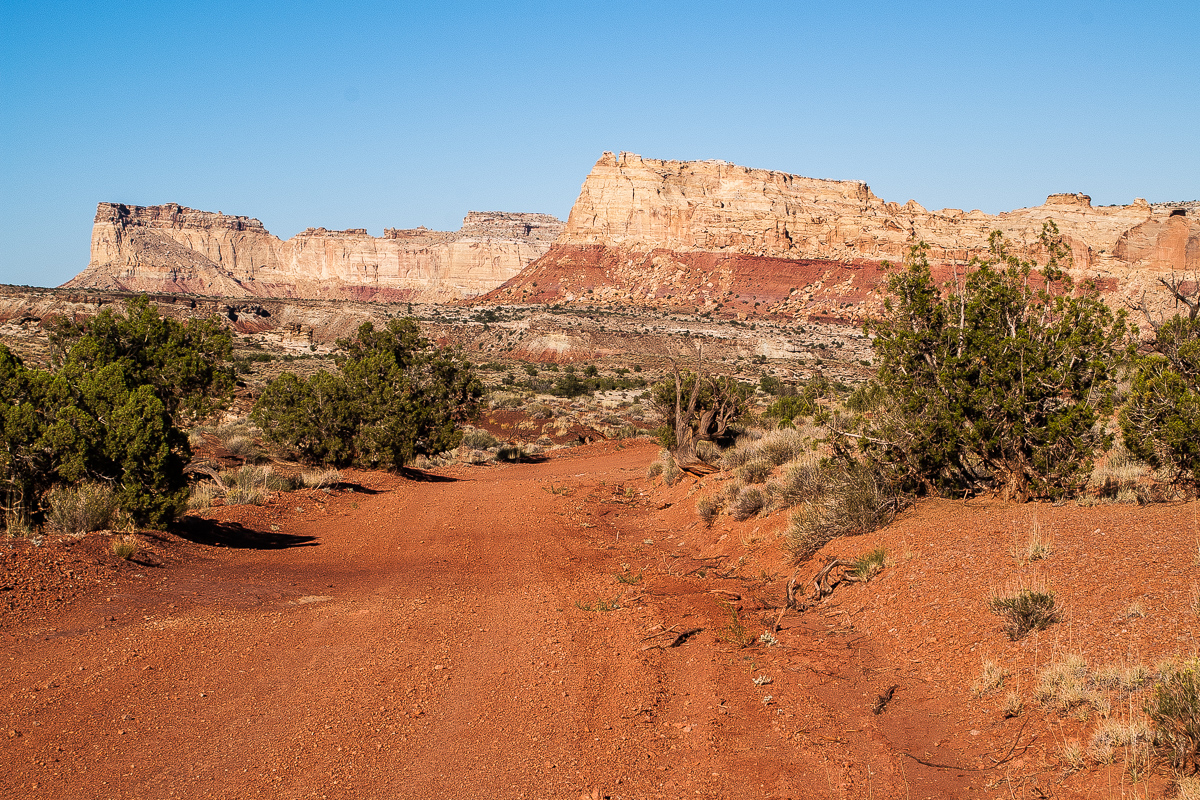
{"points": [[171, 248], [721, 237]]}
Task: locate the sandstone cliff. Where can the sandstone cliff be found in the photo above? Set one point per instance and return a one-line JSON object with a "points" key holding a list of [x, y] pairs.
{"points": [[170, 248], [719, 236]]}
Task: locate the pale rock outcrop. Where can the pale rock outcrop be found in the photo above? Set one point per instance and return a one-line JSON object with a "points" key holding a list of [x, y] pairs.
{"points": [[170, 248]]}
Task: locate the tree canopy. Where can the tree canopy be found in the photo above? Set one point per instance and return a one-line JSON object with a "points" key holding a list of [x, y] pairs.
{"points": [[109, 409], [395, 397], [997, 381]]}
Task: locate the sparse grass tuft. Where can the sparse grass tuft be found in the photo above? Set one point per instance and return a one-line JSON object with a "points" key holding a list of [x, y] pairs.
{"points": [[124, 547], [990, 679], [733, 631], [1012, 705], [868, 565], [1025, 611], [81, 509]]}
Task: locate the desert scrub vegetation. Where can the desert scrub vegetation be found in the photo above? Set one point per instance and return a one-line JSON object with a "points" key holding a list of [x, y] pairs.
{"points": [[1025, 610], [1174, 711], [395, 397], [252, 485], [124, 547], [708, 508], [850, 499], [76, 510], [110, 410]]}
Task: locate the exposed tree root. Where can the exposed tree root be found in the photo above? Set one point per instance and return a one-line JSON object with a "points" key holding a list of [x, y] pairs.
{"points": [[823, 583]]}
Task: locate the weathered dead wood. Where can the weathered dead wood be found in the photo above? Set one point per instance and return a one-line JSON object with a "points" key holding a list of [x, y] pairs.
{"points": [[882, 700], [823, 583]]}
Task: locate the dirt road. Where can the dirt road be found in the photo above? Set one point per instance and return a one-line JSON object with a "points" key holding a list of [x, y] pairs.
{"points": [[438, 638]]}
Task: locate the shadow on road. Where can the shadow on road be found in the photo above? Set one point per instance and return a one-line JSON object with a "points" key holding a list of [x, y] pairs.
{"points": [[233, 534]]}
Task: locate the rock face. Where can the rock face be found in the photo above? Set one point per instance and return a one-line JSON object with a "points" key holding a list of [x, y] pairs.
{"points": [[170, 248], [714, 235]]}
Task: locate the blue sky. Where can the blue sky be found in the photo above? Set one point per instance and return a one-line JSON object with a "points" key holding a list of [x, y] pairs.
{"points": [[406, 114]]}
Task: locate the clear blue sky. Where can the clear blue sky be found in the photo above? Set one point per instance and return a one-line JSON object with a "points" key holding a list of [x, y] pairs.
{"points": [[406, 114]]}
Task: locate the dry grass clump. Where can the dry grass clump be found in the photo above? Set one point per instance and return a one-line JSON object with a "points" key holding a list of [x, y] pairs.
{"points": [[248, 485], [202, 495], [81, 509], [510, 453], [749, 501], [800, 482], [476, 439], [124, 547], [991, 678], [1135, 736], [744, 450], [540, 411], [1066, 687], [755, 471], [852, 500], [1120, 478], [322, 479], [499, 399], [782, 446], [708, 508]]}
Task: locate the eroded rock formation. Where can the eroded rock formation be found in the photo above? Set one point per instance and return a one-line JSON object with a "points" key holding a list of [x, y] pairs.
{"points": [[714, 235], [170, 248]]}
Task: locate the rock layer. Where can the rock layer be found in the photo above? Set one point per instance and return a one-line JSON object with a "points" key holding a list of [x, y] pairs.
{"points": [[716, 235], [170, 248]]}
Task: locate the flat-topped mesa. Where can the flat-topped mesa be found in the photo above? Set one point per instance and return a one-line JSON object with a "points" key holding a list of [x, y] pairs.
{"points": [[171, 248], [172, 215], [533, 227], [714, 235]]}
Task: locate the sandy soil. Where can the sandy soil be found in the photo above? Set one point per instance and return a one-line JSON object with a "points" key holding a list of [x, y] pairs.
{"points": [[506, 631]]}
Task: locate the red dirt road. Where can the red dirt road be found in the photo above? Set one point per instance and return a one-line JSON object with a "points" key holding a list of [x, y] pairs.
{"points": [[427, 642], [505, 632]]}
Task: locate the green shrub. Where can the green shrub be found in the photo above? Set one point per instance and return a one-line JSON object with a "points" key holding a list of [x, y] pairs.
{"points": [[1027, 610], [81, 509], [110, 409], [395, 397], [996, 384]]}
